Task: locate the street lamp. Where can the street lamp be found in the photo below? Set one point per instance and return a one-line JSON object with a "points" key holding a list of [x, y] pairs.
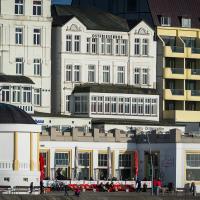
{"points": [[151, 160]]}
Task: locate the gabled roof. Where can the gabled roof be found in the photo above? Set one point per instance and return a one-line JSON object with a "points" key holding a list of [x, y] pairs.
{"points": [[15, 79], [110, 88], [176, 9], [92, 18]]}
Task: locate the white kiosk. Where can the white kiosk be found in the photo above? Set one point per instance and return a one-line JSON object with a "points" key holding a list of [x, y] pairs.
{"points": [[19, 147]]}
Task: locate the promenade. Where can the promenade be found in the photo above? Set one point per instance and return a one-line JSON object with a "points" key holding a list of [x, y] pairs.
{"points": [[100, 196]]}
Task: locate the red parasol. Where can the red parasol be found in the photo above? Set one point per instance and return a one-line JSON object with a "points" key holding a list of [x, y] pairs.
{"points": [[42, 175], [135, 156]]}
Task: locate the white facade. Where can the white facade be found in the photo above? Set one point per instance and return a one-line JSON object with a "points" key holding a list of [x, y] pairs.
{"points": [[25, 46], [103, 57], [19, 155]]}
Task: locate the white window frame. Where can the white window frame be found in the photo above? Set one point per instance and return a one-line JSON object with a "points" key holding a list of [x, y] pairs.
{"points": [[37, 36], [120, 75], [19, 66], [145, 47], [165, 21], [37, 7], [5, 94], [137, 46], [145, 75], [106, 74], [68, 43], [94, 45], [76, 73], [67, 103], [18, 35], [37, 96], [19, 7], [186, 22], [27, 94], [136, 75], [16, 94], [77, 43], [91, 73], [37, 67], [68, 73]]}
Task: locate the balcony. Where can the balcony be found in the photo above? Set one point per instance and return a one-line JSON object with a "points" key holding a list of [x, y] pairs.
{"points": [[174, 73], [182, 115], [193, 53], [174, 51], [193, 95], [193, 74], [175, 94]]}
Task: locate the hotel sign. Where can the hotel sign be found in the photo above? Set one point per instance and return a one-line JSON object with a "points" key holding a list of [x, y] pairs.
{"points": [[107, 36]]}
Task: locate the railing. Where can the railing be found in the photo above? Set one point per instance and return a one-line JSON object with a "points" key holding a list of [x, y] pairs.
{"points": [[195, 71], [195, 92], [177, 70], [196, 50], [177, 91], [177, 49]]}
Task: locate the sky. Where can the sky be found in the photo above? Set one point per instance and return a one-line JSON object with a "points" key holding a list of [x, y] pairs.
{"points": [[61, 1]]}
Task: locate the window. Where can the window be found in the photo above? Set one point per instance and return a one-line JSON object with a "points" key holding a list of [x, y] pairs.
{"points": [[114, 105], [136, 76], [91, 73], [68, 73], [102, 160], [94, 45], [140, 106], [18, 35], [121, 105], [107, 104], [193, 166], [127, 106], [83, 159], [117, 47], [27, 95], [16, 94], [134, 106], [36, 36], [37, 7], [103, 45], [88, 45], [124, 160], [19, 66], [37, 67], [67, 103], [154, 106], [37, 97], [108, 46], [5, 94], [144, 76], [77, 40], [68, 43], [81, 104], [145, 47], [165, 21], [106, 74], [186, 22], [77, 104], [76, 73], [19, 7], [137, 46], [100, 105], [123, 47], [93, 104], [147, 106], [61, 159], [120, 75]]}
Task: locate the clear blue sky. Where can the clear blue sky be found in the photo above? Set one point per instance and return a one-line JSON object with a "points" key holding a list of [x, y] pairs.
{"points": [[61, 1]]}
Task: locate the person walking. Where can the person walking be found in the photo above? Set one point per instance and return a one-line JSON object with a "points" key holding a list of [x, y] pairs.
{"points": [[41, 187], [138, 183], [31, 188]]}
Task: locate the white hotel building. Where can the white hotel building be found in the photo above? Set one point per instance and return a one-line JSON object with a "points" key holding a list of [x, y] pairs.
{"points": [[25, 53], [103, 66]]}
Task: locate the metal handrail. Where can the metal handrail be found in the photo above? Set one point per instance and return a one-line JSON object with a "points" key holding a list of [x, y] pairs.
{"points": [[177, 70], [177, 91]]}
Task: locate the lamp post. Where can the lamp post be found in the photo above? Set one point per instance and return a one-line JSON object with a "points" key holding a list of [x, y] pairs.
{"points": [[151, 160]]}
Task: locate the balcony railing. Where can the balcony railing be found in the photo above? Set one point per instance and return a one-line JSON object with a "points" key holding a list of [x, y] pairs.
{"points": [[177, 92], [196, 50], [177, 70], [177, 49], [195, 71], [195, 92]]}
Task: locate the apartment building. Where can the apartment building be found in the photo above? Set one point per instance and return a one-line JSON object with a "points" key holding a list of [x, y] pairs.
{"points": [[103, 66], [178, 59], [25, 51]]}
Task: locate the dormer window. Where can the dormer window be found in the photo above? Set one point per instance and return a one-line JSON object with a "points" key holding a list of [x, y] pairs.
{"points": [[186, 22], [165, 21]]}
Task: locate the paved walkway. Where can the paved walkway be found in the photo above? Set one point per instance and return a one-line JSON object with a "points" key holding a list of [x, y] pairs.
{"points": [[99, 196]]}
